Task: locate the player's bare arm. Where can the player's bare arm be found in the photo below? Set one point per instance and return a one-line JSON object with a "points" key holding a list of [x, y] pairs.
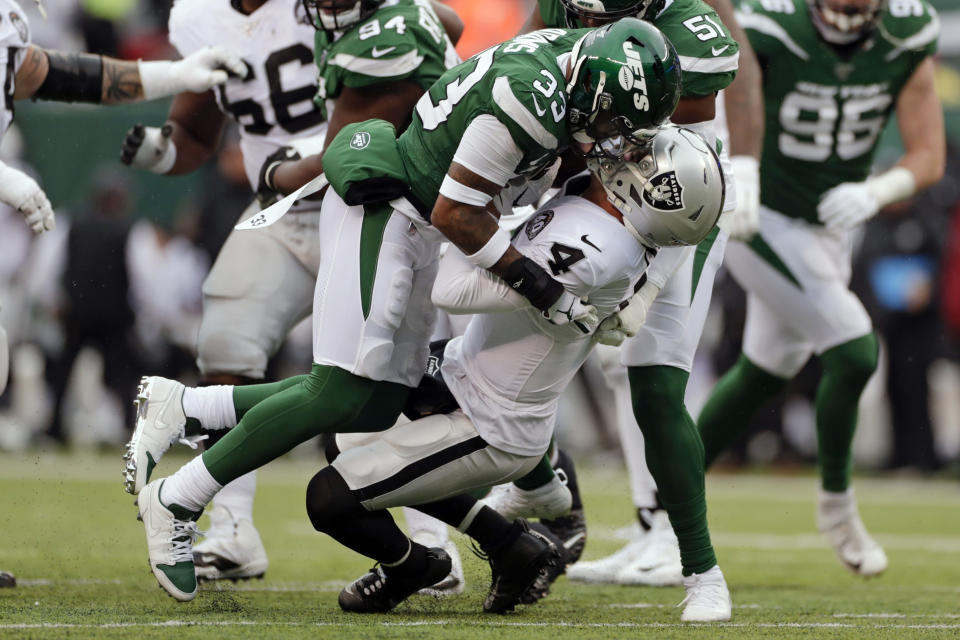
{"points": [[535, 21], [197, 127], [744, 97], [451, 22], [392, 102], [920, 120], [694, 109], [84, 77]]}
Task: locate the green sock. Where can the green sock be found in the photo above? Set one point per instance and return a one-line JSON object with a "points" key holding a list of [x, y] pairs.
{"points": [[736, 397], [328, 400], [675, 456], [846, 370], [541, 475]]}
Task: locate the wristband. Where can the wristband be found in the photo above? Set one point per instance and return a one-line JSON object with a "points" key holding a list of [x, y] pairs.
{"points": [[892, 186], [531, 281], [492, 251], [167, 160]]}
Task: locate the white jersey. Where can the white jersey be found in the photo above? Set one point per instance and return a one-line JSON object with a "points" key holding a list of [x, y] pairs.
{"points": [[274, 104], [508, 369], [14, 39]]}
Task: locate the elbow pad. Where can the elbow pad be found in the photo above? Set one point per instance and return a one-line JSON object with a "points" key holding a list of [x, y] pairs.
{"points": [[72, 77]]}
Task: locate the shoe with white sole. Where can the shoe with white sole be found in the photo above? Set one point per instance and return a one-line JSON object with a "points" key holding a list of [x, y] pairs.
{"points": [[839, 520], [379, 590], [455, 582], [552, 500], [231, 549], [658, 563], [171, 531], [160, 423], [708, 599]]}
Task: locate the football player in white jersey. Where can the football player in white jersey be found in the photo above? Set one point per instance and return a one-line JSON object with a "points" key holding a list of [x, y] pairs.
{"points": [[507, 373], [262, 283], [32, 72]]}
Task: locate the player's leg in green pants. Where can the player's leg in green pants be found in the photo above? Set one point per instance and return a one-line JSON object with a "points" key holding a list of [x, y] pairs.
{"points": [[327, 400], [746, 387], [674, 455]]}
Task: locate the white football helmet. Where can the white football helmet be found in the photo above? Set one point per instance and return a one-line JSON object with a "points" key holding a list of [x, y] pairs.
{"points": [[671, 196]]}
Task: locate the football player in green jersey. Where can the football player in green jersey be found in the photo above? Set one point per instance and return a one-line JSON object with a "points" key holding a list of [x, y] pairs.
{"points": [[834, 71], [660, 357], [501, 116]]}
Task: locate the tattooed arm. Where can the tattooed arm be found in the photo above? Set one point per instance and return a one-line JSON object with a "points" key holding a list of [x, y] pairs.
{"points": [[84, 77]]}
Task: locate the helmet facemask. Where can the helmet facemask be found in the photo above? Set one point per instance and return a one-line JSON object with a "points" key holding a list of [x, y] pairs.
{"points": [[338, 15], [578, 12], [845, 24]]}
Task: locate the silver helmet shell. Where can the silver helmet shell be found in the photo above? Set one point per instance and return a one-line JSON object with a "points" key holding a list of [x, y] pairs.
{"points": [[673, 195]]}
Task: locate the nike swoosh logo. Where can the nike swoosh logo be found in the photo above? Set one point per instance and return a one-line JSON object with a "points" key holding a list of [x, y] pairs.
{"points": [[536, 105], [376, 53], [584, 238], [717, 52]]}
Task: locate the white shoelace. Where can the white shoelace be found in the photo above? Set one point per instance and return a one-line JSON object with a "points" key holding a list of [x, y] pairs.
{"points": [[185, 533], [193, 441]]}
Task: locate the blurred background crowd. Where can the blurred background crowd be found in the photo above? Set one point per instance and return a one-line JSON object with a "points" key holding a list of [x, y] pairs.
{"points": [[115, 291]]}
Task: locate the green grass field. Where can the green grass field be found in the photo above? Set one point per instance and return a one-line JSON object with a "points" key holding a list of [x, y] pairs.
{"points": [[70, 534]]}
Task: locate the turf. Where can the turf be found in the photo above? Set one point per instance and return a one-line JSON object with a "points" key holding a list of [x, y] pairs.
{"points": [[70, 534]]}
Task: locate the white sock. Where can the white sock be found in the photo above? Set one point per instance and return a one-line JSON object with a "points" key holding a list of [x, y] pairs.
{"points": [[191, 487], [237, 496], [643, 488], [420, 523], [212, 406]]}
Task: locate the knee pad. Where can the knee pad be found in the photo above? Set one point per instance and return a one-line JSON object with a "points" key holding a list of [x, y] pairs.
{"points": [[330, 501], [227, 352]]}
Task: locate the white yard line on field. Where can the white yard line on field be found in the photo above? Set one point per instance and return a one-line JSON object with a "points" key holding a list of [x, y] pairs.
{"points": [[443, 623]]}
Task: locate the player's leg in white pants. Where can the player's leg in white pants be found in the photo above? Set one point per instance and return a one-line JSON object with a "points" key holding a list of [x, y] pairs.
{"points": [[260, 286]]}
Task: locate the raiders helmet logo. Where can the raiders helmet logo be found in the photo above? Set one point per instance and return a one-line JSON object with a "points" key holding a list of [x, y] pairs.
{"points": [[664, 192], [537, 223], [20, 25]]}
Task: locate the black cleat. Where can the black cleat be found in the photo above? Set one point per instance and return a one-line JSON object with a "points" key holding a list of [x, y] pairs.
{"points": [[7, 580], [541, 586], [517, 567], [571, 529], [378, 592]]}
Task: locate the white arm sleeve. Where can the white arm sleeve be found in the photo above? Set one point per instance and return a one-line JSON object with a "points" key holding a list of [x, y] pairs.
{"points": [[462, 288], [666, 262], [488, 150]]}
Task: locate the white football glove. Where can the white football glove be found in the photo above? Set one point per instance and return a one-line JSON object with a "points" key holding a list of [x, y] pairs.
{"points": [[627, 322], [198, 72], [570, 309], [149, 148], [22, 192], [743, 222], [847, 205]]}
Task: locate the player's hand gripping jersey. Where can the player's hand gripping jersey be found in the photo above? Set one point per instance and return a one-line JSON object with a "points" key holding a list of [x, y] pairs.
{"points": [[825, 111], [708, 54], [506, 104], [403, 40], [508, 370]]}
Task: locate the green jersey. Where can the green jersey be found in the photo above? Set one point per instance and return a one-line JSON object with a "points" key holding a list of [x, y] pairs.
{"points": [[402, 40], [825, 111], [521, 83], [708, 53]]}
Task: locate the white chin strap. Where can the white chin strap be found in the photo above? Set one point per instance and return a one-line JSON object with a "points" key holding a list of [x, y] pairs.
{"points": [[340, 20]]}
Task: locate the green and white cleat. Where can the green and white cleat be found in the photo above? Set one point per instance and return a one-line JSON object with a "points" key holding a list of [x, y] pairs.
{"points": [[160, 423], [171, 531], [708, 598], [838, 518]]}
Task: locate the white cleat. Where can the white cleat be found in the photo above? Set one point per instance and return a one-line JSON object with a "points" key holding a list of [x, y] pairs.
{"points": [[231, 549], [552, 500], [160, 423], [658, 564], [708, 599], [605, 570], [171, 531], [839, 520]]}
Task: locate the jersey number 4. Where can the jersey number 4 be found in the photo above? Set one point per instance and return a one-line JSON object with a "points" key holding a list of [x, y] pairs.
{"points": [[251, 114], [564, 257]]}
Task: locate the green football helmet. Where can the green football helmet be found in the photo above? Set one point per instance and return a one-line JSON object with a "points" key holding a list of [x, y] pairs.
{"points": [[625, 83], [576, 11]]}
